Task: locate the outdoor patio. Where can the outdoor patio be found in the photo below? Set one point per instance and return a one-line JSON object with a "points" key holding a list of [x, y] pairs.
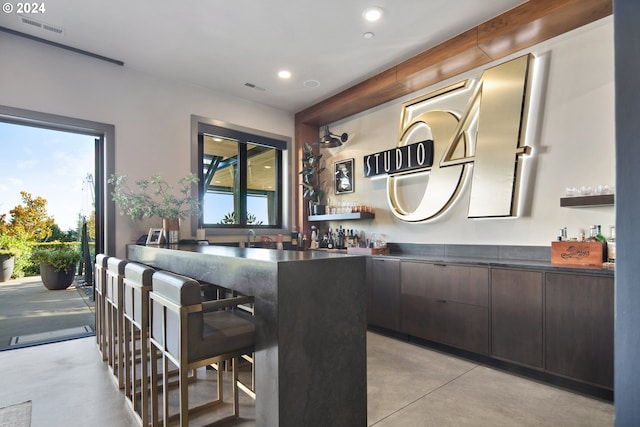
{"points": [[30, 314]]}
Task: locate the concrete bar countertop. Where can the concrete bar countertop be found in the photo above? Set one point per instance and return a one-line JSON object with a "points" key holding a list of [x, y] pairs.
{"points": [[310, 310]]}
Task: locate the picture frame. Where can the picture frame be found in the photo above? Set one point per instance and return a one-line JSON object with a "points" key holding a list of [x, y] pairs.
{"points": [[343, 173], [155, 236]]}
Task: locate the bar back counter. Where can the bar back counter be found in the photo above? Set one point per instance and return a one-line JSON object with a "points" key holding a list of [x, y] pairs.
{"points": [[311, 325]]}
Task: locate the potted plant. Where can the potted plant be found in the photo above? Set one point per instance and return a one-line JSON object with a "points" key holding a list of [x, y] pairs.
{"points": [[156, 197], [57, 265], [311, 170], [8, 254], [7, 263]]}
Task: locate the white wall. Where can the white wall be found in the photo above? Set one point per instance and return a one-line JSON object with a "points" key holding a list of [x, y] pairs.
{"points": [[573, 145], [151, 116]]}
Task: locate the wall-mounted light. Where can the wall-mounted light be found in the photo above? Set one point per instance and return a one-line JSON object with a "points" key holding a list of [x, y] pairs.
{"points": [[329, 140]]}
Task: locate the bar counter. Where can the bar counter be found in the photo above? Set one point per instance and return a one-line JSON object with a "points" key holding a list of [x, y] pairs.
{"points": [[311, 325]]}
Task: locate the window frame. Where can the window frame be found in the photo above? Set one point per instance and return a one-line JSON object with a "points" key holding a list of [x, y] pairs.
{"points": [[201, 125]]}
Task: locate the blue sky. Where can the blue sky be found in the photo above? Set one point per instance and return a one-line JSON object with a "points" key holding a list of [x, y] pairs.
{"points": [[46, 163]]}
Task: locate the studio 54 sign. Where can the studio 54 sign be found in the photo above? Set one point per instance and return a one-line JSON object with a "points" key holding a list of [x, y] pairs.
{"points": [[479, 149]]}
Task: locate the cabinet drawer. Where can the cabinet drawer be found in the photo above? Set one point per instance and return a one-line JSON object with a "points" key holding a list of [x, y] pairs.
{"points": [[458, 325], [453, 283]]}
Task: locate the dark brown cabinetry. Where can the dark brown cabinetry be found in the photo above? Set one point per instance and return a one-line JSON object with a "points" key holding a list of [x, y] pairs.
{"points": [[446, 303], [579, 327], [516, 316], [384, 293], [559, 323]]}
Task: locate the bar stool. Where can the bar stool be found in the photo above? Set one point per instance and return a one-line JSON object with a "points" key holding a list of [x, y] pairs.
{"points": [[114, 317], [100, 291], [136, 286], [193, 334]]}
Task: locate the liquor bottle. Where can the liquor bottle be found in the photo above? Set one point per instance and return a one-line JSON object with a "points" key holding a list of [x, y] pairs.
{"points": [[592, 234], [294, 239], [340, 243], [611, 245], [599, 235], [330, 243]]}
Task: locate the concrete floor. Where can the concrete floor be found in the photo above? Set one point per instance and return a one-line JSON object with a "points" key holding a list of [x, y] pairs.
{"points": [[27, 307], [408, 385]]}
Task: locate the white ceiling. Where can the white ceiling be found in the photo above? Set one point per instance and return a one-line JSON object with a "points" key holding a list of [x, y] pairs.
{"points": [[222, 44]]}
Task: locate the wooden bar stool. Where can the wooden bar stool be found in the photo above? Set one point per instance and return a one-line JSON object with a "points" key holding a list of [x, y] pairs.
{"points": [[137, 285], [100, 290], [114, 317], [193, 334]]}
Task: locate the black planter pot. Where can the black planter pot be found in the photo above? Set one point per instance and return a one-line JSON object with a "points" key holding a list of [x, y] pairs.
{"points": [[56, 279], [7, 263], [319, 209]]}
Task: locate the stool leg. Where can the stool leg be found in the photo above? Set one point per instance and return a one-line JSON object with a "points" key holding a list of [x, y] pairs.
{"points": [[144, 379], [128, 341], [153, 367], [165, 389]]}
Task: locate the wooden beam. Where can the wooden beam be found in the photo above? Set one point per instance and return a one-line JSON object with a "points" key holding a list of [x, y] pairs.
{"points": [[537, 21], [521, 27]]}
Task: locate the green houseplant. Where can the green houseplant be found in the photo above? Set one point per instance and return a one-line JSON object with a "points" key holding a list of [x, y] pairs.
{"points": [[57, 265], [311, 170], [156, 197]]}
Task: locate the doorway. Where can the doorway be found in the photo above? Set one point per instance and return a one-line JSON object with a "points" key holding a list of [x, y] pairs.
{"points": [[64, 161]]}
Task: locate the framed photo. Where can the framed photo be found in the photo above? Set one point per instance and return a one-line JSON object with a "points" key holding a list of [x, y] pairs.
{"points": [[155, 236], [343, 176]]}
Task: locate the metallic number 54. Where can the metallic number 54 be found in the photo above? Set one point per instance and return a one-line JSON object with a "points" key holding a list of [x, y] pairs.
{"points": [[490, 159]]}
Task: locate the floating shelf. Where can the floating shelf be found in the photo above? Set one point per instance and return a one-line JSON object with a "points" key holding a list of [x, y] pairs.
{"points": [[342, 216], [586, 201]]}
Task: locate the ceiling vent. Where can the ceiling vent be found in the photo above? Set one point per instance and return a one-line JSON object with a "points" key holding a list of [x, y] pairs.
{"points": [[252, 86], [42, 25]]}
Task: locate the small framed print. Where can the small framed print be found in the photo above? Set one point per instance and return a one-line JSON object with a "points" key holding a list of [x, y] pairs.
{"points": [[155, 236], [343, 176]]}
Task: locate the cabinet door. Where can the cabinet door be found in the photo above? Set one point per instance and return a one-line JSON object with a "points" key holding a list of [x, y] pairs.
{"points": [[384, 296], [446, 304], [516, 316], [579, 327]]}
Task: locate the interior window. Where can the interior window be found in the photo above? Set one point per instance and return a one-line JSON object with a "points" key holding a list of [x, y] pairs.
{"points": [[240, 180]]}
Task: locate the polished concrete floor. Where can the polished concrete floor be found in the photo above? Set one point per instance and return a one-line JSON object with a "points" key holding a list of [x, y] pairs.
{"points": [[408, 385]]}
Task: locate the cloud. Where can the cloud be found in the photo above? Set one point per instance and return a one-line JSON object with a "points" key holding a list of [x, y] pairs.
{"points": [[27, 164]]}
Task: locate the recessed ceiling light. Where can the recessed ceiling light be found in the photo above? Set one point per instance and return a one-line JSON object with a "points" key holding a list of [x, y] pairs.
{"points": [[368, 35], [284, 74], [372, 14]]}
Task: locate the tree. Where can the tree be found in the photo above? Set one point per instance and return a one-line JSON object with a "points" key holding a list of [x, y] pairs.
{"points": [[30, 220]]}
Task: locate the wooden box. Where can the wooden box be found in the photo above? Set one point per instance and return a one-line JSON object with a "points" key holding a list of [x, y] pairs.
{"points": [[368, 251], [591, 254]]}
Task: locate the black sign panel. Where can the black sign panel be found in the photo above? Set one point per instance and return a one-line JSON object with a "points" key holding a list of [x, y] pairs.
{"points": [[418, 155]]}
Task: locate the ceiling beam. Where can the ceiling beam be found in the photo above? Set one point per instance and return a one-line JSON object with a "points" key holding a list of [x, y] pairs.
{"points": [[519, 28]]}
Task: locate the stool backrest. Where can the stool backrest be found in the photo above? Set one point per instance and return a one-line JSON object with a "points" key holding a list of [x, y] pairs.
{"points": [[115, 274], [100, 271], [176, 311], [137, 285]]}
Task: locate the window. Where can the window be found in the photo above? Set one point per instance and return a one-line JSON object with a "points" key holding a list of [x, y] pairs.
{"points": [[240, 178]]}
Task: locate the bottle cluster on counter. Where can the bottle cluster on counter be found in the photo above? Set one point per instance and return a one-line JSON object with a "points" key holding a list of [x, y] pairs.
{"points": [[340, 238], [595, 235]]}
